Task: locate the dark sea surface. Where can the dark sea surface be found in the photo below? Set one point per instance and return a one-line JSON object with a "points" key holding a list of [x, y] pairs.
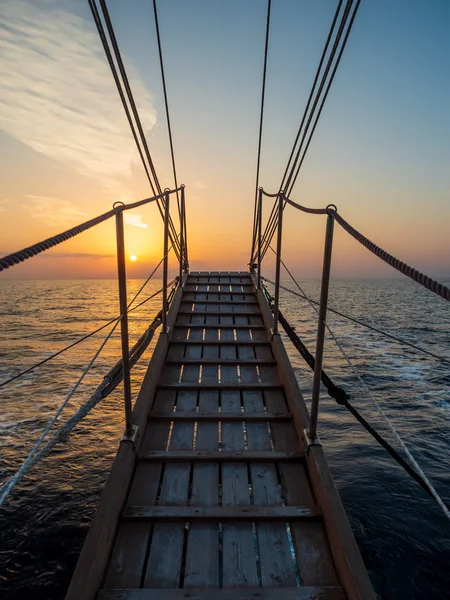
{"points": [[403, 536]]}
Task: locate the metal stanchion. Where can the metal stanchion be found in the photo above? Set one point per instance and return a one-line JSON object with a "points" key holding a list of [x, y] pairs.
{"points": [[124, 321], [182, 253], [260, 200], [321, 325], [278, 263], [166, 261]]}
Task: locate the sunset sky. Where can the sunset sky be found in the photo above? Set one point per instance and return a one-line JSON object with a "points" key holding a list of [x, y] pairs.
{"points": [[381, 152]]}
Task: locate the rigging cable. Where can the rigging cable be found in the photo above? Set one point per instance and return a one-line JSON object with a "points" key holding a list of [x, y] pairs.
{"points": [[291, 180], [123, 72], [305, 112], [158, 37], [261, 118], [155, 185]]}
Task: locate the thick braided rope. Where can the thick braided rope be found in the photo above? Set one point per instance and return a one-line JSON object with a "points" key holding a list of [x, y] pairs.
{"points": [[17, 257], [311, 211], [424, 280]]}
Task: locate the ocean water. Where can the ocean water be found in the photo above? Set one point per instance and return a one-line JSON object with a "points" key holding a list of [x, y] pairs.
{"points": [[403, 536]]}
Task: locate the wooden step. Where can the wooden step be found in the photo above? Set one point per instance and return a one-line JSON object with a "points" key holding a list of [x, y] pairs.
{"points": [[221, 361], [222, 513], [187, 301], [218, 293], [228, 327], [182, 415], [224, 456], [242, 593], [223, 342], [215, 313], [220, 386]]}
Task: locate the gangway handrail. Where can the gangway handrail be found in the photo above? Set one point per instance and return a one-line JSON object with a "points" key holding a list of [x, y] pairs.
{"points": [[332, 215], [17, 257]]}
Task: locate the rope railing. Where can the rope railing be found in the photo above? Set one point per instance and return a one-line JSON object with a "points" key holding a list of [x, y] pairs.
{"points": [[424, 280], [17, 257]]}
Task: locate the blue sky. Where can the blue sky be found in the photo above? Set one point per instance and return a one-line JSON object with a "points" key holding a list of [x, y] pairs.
{"points": [[381, 151]]}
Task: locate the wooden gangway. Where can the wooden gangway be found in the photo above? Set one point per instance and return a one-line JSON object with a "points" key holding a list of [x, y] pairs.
{"points": [[220, 495]]}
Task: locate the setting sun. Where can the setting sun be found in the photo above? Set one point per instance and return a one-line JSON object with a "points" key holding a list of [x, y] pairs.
{"points": [[132, 257]]}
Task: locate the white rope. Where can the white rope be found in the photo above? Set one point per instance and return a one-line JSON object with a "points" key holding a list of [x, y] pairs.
{"points": [[365, 387], [27, 464]]}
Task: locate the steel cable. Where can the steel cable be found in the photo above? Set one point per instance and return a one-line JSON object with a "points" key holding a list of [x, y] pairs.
{"points": [[261, 118]]}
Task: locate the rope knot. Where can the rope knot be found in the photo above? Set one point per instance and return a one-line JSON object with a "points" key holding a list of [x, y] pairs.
{"points": [[339, 395]]}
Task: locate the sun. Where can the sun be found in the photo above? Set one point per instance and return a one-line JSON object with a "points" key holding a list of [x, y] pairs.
{"points": [[132, 257]]}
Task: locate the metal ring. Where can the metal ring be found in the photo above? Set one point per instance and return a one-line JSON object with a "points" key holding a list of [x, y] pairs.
{"points": [[116, 204], [330, 209]]}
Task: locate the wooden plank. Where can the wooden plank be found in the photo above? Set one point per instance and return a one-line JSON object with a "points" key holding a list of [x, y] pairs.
{"points": [[313, 554], [218, 513], [239, 558], [186, 386], [164, 562], [220, 361], [222, 343], [346, 555], [236, 593], [93, 560], [198, 455], [220, 313], [221, 416], [276, 567], [202, 554], [126, 564], [217, 302], [246, 327]]}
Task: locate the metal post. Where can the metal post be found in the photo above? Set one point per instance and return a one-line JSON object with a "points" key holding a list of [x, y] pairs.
{"points": [[321, 326], [165, 263], [260, 200], [124, 321], [278, 263], [186, 266], [182, 258]]}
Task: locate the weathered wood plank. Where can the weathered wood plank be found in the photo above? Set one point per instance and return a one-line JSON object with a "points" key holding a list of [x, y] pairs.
{"points": [[93, 560], [314, 558], [239, 558], [247, 326], [236, 593], [202, 554], [220, 416], [197, 455], [220, 361], [218, 513], [276, 566], [183, 385], [164, 562], [223, 343]]}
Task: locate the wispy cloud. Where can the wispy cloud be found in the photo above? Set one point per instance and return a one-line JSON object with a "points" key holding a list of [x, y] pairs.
{"points": [[53, 211], [134, 220], [58, 93], [200, 185]]}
